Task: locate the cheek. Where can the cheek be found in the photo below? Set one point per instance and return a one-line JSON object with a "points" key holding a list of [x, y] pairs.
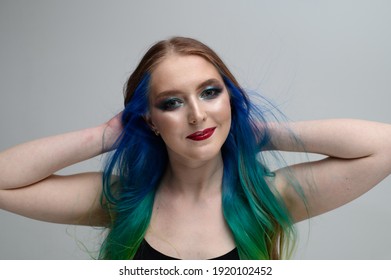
{"points": [[164, 122], [222, 110]]}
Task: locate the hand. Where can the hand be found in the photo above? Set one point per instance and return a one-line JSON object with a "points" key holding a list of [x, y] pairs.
{"points": [[112, 130]]}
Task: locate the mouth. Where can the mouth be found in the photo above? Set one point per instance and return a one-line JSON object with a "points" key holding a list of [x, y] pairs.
{"points": [[202, 135]]}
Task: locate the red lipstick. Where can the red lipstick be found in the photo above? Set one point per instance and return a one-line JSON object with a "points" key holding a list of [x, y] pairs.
{"points": [[202, 135]]}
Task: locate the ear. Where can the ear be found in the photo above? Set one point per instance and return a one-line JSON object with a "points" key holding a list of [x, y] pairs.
{"points": [[148, 120]]}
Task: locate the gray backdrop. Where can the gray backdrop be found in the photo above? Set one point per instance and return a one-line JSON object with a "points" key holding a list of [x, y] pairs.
{"points": [[63, 65]]}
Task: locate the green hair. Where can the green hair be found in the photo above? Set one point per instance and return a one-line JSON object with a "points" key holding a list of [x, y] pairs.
{"points": [[255, 212]]}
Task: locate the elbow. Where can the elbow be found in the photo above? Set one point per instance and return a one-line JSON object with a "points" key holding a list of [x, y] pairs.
{"points": [[386, 153]]}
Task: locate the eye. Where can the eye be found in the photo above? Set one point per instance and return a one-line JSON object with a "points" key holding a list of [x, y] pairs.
{"points": [[211, 92], [170, 104]]}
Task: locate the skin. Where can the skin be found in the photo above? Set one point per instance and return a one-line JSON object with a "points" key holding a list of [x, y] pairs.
{"points": [[187, 220], [357, 157], [192, 84]]}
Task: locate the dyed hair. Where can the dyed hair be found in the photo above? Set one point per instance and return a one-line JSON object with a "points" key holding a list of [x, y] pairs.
{"points": [[255, 213]]}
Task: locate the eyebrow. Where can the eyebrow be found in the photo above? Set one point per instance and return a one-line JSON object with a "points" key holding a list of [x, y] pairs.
{"points": [[199, 87]]}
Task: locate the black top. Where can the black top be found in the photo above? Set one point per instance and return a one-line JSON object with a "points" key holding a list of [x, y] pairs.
{"points": [[146, 252]]}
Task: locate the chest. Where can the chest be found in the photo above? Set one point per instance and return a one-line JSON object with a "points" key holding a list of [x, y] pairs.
{"points": [[190, 230]]}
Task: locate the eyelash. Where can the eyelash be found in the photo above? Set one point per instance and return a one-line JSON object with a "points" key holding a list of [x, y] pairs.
{"points": [[168, 104], [172, 103], [215, 92]]}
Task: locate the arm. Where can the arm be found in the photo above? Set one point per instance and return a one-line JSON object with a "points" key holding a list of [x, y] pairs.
{"points": [[29, 187], [358, 156]]}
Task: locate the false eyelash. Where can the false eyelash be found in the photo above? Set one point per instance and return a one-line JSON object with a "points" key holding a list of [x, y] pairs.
{"points": [[166, 106], [216, 92]]}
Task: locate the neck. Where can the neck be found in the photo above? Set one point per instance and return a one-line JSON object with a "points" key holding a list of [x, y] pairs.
{"points": [[196, 178]]}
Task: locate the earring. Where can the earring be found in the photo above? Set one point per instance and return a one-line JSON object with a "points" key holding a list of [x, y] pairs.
{"points": [[156, 131]]}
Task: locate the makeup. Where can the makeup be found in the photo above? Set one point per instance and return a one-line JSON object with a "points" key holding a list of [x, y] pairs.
{"points": [[211, 92], [169, 104], [202, 135]]}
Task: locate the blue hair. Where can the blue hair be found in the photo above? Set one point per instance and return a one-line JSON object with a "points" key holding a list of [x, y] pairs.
{"points": [[254, 211], [252, 207], [130, 178]]}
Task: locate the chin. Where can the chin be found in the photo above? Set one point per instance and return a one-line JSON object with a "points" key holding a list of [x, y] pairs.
{"points": [[205, 155], [196, 152]]}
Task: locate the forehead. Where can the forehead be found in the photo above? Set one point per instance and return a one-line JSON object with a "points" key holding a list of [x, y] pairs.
{"points": [[182, 72]]}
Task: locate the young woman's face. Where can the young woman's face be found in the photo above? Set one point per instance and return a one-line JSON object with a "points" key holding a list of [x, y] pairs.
{"points": [[189, 107]]}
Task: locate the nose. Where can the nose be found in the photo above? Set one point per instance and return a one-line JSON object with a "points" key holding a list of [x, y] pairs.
{"points": [[196, 113]]}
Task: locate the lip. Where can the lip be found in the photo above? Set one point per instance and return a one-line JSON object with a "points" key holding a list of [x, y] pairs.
{"points": [[202, 135]]}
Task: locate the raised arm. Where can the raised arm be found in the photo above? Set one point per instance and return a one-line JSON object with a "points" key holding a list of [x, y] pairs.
{"points": [[29, 187], [358, 156]]}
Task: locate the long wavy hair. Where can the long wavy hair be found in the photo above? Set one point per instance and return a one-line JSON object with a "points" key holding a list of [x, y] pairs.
{"points": [[254, 211]]}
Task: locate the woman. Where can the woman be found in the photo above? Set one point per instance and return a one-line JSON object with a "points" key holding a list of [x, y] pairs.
{"points": [[185, 179]]}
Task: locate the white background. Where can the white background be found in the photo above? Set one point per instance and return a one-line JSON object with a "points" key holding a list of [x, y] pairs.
{"points": [[63, 65]]}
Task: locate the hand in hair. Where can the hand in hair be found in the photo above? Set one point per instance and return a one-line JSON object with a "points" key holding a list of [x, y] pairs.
{"points": [[111, 132]]}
